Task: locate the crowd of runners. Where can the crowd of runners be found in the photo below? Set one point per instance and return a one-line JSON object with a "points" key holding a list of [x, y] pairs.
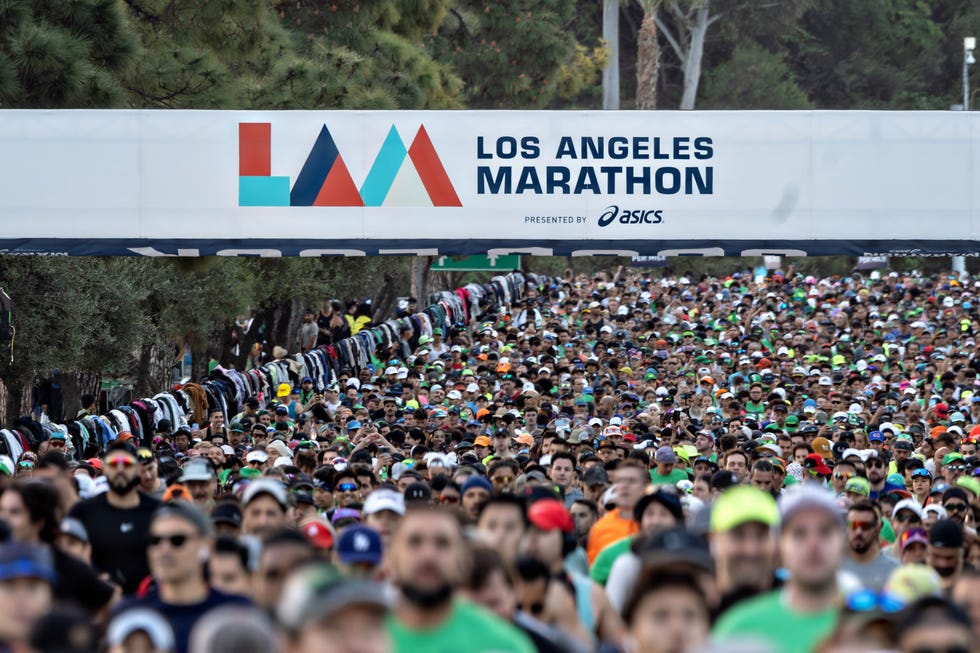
{"points": [[616, 462]]}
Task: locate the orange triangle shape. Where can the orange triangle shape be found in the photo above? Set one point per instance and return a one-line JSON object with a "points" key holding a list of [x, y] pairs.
{"points": [[338, 188]]}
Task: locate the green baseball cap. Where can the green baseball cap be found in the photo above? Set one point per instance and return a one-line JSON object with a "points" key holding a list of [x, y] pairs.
{"points": [[743, 504], [970, 483], [858, 485], [951, 458]]}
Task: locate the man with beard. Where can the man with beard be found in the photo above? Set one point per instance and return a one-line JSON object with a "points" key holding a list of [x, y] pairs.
{"points": [[877, 470], [117, 521], [803, 613], [428, 565], [865, 559], [743, 523]]}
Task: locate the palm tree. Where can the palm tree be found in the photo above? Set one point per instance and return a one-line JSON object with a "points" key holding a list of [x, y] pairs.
{"points": [[647, 57]]}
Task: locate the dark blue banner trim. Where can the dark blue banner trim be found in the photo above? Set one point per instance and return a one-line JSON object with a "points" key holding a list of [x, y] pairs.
{"points": [[440, 247]]}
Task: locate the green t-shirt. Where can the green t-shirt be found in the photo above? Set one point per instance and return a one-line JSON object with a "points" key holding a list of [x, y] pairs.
{"points": [[670, 479], [469, 629], [768, 619], [604, 561]]}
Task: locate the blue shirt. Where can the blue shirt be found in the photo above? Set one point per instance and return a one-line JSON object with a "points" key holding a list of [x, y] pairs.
{"points": [[183, 617]]}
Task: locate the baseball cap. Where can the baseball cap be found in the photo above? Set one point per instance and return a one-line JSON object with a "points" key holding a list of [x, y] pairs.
{"points": [[75, 528], [741, 505], [858, 485], [322, 592], [341, 514], [551, 514], [676, 545], [595, 475], [910, 583], [318, 533], [951, 457], [141, 620], [666, 455], [808, 497], [822, 446], [267, 486], [227, 512], [257, 456], [283, 390], [913, 535], [724, 479], [359, 544], [815, 462], [482, 441], [197, 469], [667, 499], [19, 560], [908, 504], [946, 534], [384, 499], [418, 493]]}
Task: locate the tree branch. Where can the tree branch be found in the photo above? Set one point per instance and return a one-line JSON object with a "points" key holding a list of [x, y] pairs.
{"points": [[670, 37], [142, 12]]}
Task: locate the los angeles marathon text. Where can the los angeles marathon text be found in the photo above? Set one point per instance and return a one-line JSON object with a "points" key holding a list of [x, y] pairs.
{"points": [[663, 179]]}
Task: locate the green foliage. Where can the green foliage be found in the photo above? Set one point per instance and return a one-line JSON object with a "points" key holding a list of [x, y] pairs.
{"points": [[879, 54], [753, 78], [63, 54], [516, 55]]}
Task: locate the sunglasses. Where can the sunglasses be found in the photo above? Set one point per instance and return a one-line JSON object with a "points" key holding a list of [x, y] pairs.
{"points": [[844, 475], [867, 601], [26, 464], [176, 541], [955, 507], [924, 473], [862, 525], [120, 462], [347, 487], [876, 463], [908, 517], [957, 468], [449, 500]]}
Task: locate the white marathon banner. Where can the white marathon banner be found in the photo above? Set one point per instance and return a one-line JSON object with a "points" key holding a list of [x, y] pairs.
{"points": [[353, 183]]}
